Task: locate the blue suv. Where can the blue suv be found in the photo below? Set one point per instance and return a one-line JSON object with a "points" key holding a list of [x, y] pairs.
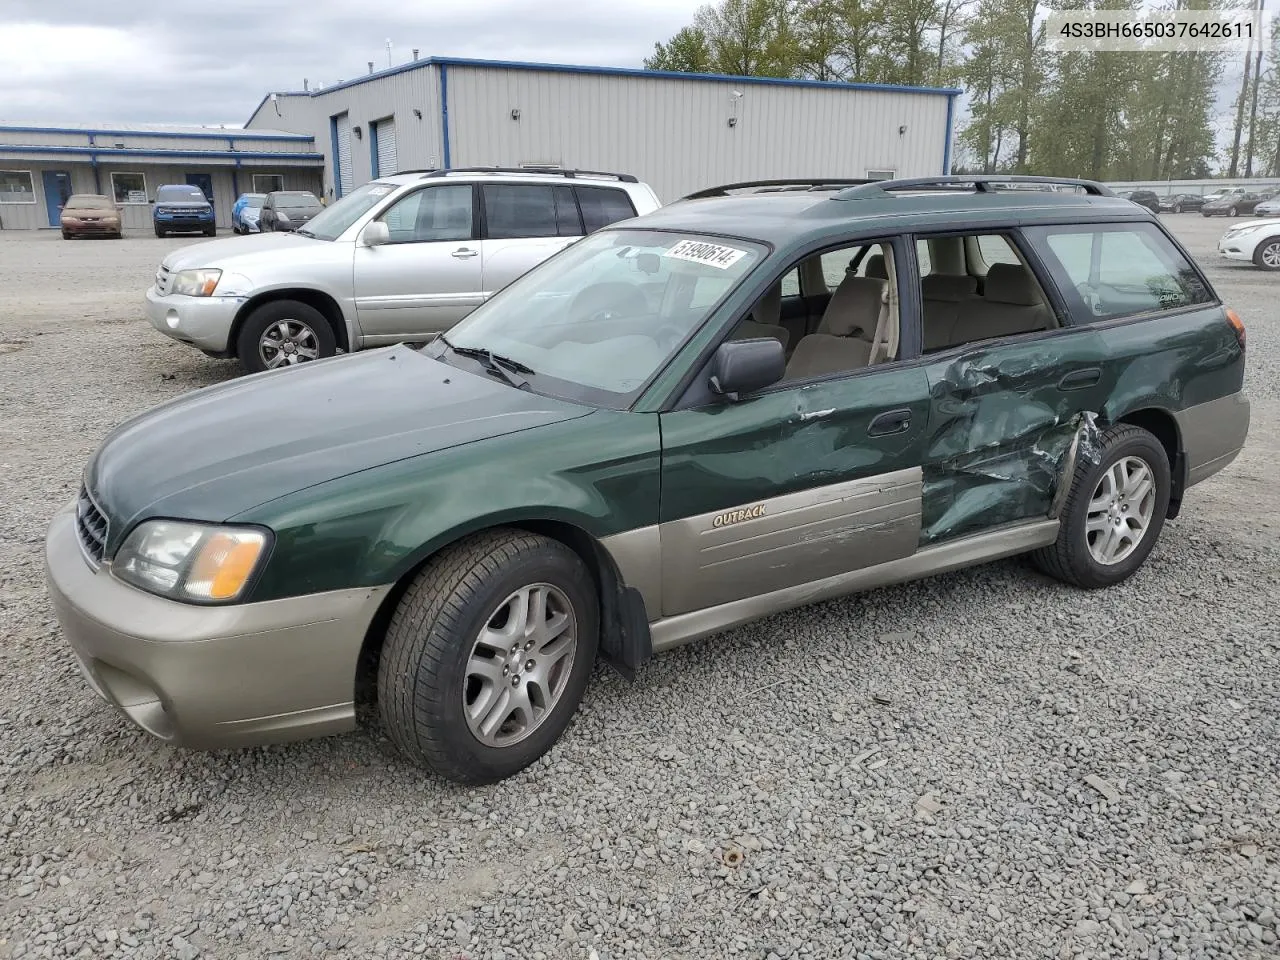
{"points": [[182, 208]]}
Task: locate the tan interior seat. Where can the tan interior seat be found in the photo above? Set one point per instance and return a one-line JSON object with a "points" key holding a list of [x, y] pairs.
{"points": [[1011, 303], [942, 294], [765, 319], [848, 330]]}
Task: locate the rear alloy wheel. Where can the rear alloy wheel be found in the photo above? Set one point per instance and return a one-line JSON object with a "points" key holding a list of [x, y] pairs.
{"points": [[1177, 208], [284, 333], [488, 654], [1267, 254], [1114, 513], [1231, 212]]}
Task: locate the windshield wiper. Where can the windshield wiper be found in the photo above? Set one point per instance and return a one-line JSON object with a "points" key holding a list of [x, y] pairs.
{"points": [[304, 232], [505, 367]]}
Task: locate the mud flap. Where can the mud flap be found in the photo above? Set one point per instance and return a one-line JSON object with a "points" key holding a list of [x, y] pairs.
{"points": [[627, 643]]}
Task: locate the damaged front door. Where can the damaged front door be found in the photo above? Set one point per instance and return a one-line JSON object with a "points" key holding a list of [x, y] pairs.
{"points": [[792, 486]]}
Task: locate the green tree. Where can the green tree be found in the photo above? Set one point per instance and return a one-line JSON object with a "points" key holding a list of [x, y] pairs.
{"points": [[687, 52]]}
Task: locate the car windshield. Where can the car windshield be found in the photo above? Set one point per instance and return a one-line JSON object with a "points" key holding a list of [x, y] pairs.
{"points": [[291, 201], [334, 220], [595, 322], [179, 194], [89, 203]]}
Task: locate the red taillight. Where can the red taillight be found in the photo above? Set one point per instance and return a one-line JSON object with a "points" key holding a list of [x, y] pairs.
{"points": [[1237, 325]]}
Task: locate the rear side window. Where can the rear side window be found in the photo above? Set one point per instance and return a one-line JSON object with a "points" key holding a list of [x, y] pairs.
{"points": [[602, 206], [515, 210], [1119, 270]]}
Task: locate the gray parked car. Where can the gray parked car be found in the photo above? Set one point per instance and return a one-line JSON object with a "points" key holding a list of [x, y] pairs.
{"points": [[399, 259], [284, 210]]}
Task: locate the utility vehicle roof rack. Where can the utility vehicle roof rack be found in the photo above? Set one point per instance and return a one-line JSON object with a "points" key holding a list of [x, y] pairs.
{"points": [[981, 183], [777, 186], [545, 171]]}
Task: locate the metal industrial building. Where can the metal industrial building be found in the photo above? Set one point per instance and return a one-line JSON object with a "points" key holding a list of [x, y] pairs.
{"points": [[676, 131], [40, 166]]}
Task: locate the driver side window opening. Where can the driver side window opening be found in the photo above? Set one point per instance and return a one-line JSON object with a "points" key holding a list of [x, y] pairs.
{"points": [[434, 213], [977, 287], [843, 317]]}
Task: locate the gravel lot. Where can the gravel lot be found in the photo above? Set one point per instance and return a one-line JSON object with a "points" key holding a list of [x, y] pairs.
{"points": [[904, 773]]}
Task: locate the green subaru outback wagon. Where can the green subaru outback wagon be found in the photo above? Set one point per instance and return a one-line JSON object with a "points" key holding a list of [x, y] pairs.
{"points": [[757, 397]]}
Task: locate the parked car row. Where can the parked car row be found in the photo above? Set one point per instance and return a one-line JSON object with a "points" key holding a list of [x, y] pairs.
{"points": [[1229, 202], [640, 426]]}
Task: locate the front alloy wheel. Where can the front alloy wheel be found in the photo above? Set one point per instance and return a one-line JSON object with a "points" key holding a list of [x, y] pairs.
{"points": [[487, 655], [284, 333], [520, 665]]}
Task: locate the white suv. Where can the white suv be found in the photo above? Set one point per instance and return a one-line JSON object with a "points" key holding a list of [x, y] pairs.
{"points": [[399, 259]]}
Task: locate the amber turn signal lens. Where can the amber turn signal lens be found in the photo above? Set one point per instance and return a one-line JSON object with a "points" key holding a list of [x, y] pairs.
{"points": [[224, 565], [1237, 325]]}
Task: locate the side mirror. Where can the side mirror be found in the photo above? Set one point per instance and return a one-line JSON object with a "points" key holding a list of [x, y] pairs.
{"points": [[375, 233], [744, 366]]}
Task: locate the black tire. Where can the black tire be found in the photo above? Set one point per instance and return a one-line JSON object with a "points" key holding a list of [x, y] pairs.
{"points": [[1231, 212], [272, 313], [1069, 559], [1177, 208], [422, 668], [1260, 249], [65, 235], [159, 232], [210, 231]]}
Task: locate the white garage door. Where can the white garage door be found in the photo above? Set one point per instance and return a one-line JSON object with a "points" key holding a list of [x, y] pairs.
{"points": [[386, 146], [345, 180]]}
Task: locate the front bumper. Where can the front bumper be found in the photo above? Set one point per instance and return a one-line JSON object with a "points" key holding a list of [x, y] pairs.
{"points": [[1237, 248], [210, 677], [91, 227], [203, 322]]}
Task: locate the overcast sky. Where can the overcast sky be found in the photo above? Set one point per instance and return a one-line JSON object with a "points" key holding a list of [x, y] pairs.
{"points": [[90, 61]]}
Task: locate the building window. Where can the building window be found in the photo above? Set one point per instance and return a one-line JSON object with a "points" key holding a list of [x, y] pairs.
{"points": [[267, 182], [881, 174], [16, 186], [129, 187]]}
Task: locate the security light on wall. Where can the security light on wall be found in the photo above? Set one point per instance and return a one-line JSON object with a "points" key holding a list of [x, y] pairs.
{"points": [[515, 113], [358, 132], [417, 113], [902, 129]]}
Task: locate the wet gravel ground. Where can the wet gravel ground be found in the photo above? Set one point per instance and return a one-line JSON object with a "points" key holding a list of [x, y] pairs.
{"points": [[986, 764]]}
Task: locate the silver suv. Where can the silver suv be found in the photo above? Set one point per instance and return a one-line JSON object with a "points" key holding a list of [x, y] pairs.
{"points": [[399, 259]]}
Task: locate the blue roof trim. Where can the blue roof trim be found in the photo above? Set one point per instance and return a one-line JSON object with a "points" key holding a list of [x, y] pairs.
{"points": [[237, 155], [623, 72], [156, 134]]}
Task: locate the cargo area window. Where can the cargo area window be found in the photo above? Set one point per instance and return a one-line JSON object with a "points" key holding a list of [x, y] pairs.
{"points": [[602, 206], [16, 186], [1119, 270]]}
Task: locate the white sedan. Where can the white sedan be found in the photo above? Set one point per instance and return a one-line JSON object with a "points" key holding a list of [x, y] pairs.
{"points": [[1255, 241]]}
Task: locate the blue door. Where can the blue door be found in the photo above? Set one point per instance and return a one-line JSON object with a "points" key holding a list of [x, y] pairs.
{"points": [[205, 182], [57, 189]]}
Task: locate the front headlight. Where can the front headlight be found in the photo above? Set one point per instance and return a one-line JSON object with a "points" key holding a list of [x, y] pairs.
{"points": [[195, 562], [195, 283]]}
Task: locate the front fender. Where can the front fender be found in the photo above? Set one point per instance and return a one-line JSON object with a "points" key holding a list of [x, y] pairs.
{"points": [[598, 474]]}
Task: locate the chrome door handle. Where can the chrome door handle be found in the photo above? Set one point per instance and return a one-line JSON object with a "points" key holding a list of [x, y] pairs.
{"points": [[464, 253]]}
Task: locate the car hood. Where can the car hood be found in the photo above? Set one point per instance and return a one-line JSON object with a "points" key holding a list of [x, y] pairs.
{"points": [[222, 450], [185, 204], [298, 213], [108, 213], [1261, 223], [215, 253]]}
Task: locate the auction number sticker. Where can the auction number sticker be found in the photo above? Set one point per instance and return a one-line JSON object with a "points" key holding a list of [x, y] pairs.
{"points": [[711, 254]]}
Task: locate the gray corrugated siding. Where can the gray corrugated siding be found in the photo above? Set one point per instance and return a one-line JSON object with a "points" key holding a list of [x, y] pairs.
{"points": [[672, 133], [675, 134]]}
